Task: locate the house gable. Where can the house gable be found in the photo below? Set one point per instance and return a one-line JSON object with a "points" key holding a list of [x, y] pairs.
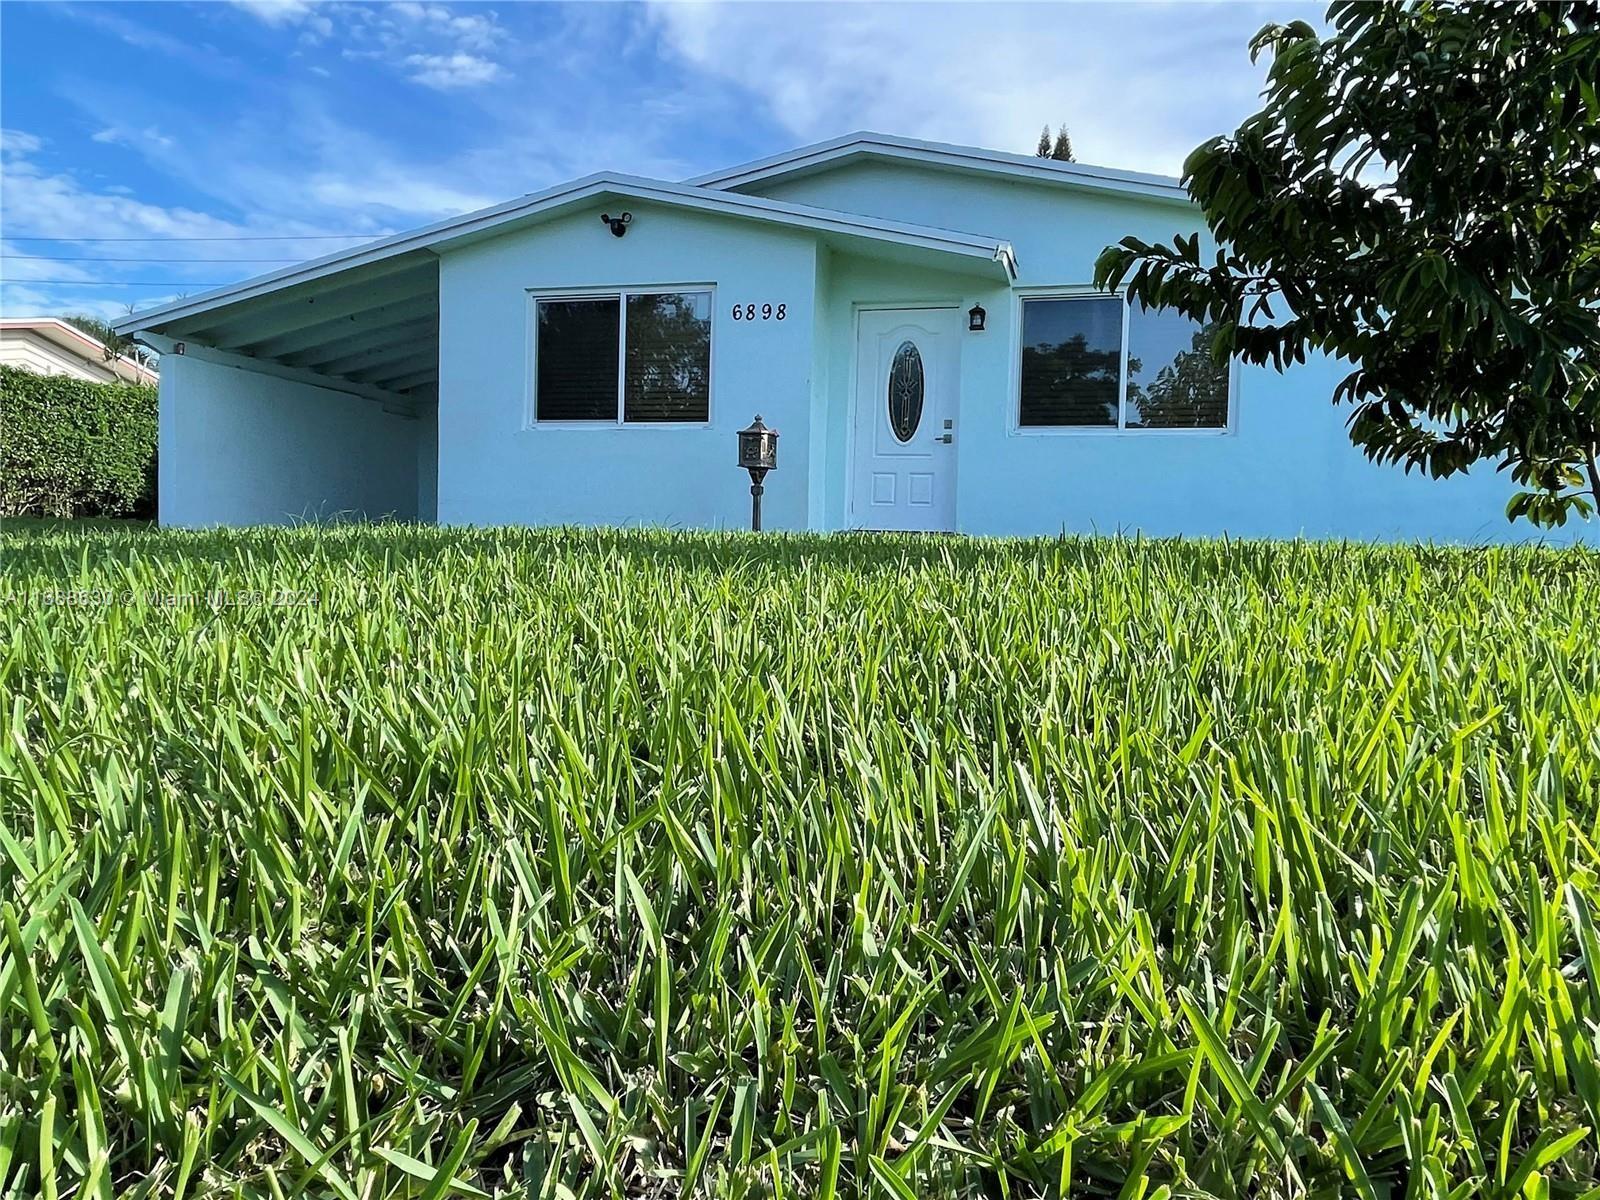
{"points": [[1057, 232], [757, 176]]}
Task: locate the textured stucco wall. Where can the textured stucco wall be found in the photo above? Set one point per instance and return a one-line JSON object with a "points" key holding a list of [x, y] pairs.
{"points": [[239, 447], [494, 466], [1285, 468]]}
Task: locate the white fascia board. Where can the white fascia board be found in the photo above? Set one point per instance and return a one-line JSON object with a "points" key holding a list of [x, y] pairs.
{"points": [[942, 154], [733, 204], [443, 234]]}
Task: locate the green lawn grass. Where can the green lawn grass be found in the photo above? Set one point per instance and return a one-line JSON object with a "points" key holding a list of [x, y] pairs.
{"points": [[11, 527], [390, 861]]}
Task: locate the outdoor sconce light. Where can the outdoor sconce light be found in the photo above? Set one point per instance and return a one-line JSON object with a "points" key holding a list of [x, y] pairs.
{"points": [[619, 225], [975, 318], [758, 454]]}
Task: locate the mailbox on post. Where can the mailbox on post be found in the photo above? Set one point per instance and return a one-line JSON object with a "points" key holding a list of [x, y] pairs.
{"points": [[758, 454]]}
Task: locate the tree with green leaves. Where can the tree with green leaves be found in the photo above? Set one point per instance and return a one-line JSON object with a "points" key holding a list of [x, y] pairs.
{"points": [[116, 344], [1419, 196], [1044, 142]]}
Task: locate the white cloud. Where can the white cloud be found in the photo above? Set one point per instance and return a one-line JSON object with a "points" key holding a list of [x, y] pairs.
{"points": [[15, 141], [446, 71], [21, 300], [142, 35], [475, 31], [19, 268], [59, 206], [118, 135], [21, 296], [430, 44], [396, 188], [339, 177], [1137, 84], [277, 12]]}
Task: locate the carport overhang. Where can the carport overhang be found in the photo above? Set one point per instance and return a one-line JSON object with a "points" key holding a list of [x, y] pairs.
{"points": [[366, 321], [370, 330]]}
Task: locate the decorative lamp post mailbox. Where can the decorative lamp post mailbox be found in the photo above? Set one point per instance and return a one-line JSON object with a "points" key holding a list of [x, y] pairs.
{"points": [[758, 454]]}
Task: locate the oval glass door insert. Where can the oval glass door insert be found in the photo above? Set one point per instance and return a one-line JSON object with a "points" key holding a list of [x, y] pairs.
{"points": [[905, 392]]}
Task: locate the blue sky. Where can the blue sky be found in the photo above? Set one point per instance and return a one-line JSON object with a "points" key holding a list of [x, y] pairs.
{"points": [[267, 119]]}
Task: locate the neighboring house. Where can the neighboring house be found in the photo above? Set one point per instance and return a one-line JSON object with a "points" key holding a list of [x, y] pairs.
{"points": [[917, 321], [50, 346]]}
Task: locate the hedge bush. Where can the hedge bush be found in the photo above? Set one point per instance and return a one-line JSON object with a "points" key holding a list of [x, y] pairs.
{"points": [[73, 448]]}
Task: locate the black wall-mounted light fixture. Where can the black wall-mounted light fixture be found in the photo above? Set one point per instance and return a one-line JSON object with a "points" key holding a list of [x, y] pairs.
{"points": [[619, 224], [976, 317]]}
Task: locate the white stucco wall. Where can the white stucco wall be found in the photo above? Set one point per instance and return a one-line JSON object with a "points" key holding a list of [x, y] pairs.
{"points": [[495, 467], [239, 447], [1286, 468]]}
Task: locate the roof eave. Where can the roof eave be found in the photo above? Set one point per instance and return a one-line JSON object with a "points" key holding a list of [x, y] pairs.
{"points": [[940, 154], [444, 235], [72, 339]]}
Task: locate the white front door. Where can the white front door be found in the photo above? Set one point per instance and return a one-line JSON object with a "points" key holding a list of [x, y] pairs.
{"points": [[908, 376]]}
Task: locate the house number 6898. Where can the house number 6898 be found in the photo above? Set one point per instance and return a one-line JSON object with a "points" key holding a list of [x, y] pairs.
{"points": [[764, 312]]}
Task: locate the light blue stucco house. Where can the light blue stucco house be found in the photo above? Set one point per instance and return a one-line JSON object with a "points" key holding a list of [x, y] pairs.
{"points": [[917, 320]]}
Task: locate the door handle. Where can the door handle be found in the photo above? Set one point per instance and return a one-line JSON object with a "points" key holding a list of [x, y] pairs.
{"points": [[946, 438]]}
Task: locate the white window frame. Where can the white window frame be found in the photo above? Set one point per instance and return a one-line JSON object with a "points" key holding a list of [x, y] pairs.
{"points": [[530, 416], [1121, 429]]}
